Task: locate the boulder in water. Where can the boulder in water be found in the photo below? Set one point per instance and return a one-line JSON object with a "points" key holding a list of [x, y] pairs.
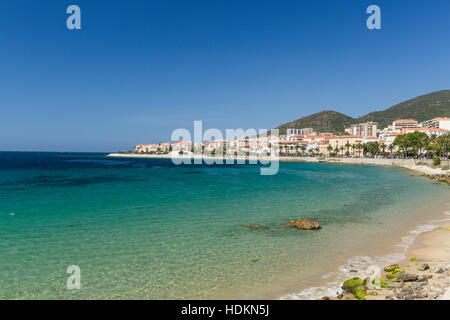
{"points": [[305, 224]]}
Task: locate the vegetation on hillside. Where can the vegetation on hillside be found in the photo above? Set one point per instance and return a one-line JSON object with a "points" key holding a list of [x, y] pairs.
{"points": [[435, 104], [325, 121]]}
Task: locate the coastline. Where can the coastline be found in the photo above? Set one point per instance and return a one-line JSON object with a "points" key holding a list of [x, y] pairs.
{"points": [[409, 164], [431, 249]]}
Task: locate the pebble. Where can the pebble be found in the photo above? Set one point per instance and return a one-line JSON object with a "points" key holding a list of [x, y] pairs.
{"points": [[439, 270], [423, 267], [424, 277]]}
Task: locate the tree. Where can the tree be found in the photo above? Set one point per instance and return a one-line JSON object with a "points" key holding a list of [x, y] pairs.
{"points": [[411, 143], [336, 150], [353, 148], [329, 148], [391, 147], [347, 145]]}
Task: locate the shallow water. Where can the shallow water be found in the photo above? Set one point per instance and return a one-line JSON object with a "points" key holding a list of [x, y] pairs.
{"points": [[145, 228]]}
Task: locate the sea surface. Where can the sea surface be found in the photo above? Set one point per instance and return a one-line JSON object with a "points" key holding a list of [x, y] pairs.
{"points": [[148, 229]]}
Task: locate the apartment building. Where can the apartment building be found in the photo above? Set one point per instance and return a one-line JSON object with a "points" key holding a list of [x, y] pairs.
{"points": [[367, 129], [401, 124], [440, 123]]}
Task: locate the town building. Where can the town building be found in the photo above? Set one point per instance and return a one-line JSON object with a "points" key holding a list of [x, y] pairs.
{"points": [[304, 131], [367, 129], [440, 123], [400, 124]]}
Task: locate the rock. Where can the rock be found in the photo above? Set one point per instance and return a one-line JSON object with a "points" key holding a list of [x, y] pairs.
{"points": [[354, 270], [396, 285], [407, 277], [411, 297], [326, 298], [418, 285], [305, 224], [434, 295], [407, 291], [254, 226], [423, 267], [393, 276], [398, 270], [350, 285], [424, 277], [382, 283], [391, 268], [360, 294], [439, 270], [340, 296]]}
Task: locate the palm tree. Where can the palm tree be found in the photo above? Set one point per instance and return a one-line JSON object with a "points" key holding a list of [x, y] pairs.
{"points": [[329, 148], [433, 141], [360, 147], [336, 150], [383, 148], [347, 145], [391, 147], [303, 149], [353, 148]]}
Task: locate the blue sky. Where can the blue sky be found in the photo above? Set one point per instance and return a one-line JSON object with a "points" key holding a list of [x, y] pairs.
{"points": [[139, 69]]}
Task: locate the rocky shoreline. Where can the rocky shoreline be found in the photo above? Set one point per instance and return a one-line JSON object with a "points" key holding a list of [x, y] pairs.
{"points": [[424, 276]]}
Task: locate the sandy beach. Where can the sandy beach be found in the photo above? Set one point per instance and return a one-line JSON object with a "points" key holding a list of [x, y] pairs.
{"points": [[426, 270]]}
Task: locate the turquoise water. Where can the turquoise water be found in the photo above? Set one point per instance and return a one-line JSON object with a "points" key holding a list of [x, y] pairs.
{"points": [[147, 229]]}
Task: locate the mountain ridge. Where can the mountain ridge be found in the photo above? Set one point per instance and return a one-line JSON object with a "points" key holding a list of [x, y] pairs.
{"points": [[420, 108]]}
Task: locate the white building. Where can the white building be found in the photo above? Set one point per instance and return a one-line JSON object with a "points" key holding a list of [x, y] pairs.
{"points": [[367, 129], [440, 123], [302, 131]]}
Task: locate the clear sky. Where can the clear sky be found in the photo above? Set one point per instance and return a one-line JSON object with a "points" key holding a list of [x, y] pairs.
{"points": [[139, 69]]}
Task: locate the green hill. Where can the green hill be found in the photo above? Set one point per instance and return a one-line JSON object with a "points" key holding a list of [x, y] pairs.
{"points": [[435, 104], [325, 121]]}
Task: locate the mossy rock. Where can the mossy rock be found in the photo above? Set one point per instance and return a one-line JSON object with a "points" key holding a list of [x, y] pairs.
{"points": [[383, 283], [350, 285], [447, 229], [372, 293], [399, 270], [360, 294], [393, 276], [391, 268], [413, 259]]}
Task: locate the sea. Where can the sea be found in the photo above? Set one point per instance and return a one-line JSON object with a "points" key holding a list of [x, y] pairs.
{"points": [[136, 228]]}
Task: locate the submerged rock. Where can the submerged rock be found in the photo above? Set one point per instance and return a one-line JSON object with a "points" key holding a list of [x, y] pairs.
{"points": [[254, 226], [305, 224]]}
